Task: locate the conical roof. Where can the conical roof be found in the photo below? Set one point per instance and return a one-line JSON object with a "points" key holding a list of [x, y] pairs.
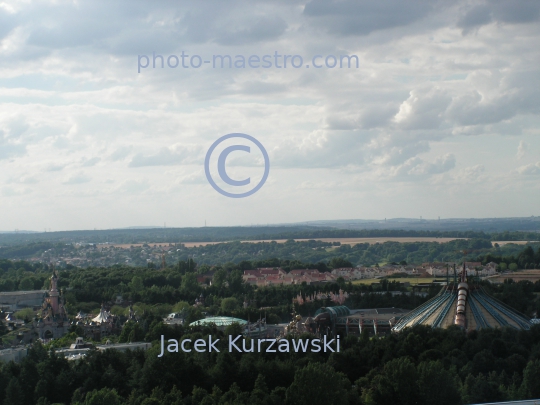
{"points": [[467, 306], [102, 317]]}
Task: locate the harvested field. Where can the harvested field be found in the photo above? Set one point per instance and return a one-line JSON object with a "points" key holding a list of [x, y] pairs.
{"points": [[343, 241], [412, 281], [128, 245], [530, 275]]}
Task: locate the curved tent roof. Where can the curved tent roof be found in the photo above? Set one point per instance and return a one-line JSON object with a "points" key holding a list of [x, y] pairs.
{"points": [[102, 317], [340, 310], [218, 321], [482, 311]]}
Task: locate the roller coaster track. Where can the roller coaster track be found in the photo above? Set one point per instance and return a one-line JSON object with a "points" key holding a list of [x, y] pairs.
{"points": [[413, 314], [493, 312], [436, 304], [445, 310], [499, 306], [478, 317]]}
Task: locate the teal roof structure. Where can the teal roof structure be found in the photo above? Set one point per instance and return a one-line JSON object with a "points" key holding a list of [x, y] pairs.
{"points": [[340, 310], [218, 321]]}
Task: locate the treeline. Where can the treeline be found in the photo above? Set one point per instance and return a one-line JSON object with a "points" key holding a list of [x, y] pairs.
{"points": [[401, 233], [154, 235], [216, 234], [21, 275], [418, 366], [313, 251], [526, 259], [161, 291], [27, 250]]}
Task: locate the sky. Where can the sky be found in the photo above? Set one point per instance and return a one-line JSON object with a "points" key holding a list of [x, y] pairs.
{"points": [[439, 118]]}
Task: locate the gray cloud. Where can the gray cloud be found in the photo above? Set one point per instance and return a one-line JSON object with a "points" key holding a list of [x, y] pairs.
{"points": [[419, 168], [512, 12], [361, 17]]}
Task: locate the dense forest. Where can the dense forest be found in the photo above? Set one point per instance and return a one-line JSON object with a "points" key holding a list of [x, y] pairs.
{"points": [[418, 366], [213, 234], [159, 290], [310, 251]]}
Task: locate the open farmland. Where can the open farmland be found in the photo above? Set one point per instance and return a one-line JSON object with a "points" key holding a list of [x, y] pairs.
{"points": [[530, 275], [411, 280], [343, 241]]}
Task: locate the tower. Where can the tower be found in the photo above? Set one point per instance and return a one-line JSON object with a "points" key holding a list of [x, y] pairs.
{"points": [[53, 321], [53, 293]]}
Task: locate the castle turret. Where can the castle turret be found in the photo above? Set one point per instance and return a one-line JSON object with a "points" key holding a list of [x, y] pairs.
{"points": [[53, 293]]}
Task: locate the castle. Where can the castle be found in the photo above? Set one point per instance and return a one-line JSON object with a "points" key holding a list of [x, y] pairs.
{"points": [[53, 322]]}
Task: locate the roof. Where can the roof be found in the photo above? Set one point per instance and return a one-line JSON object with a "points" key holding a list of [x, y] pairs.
{"points": [[102, 317], [218, 321], [340, 310], [481, 311]]}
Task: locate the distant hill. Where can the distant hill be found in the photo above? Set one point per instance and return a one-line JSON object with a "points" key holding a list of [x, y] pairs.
{"points": [[485, 228], [525, 224]]}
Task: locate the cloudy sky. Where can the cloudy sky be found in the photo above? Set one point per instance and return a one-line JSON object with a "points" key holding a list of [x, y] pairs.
{"points": [[441, 117]]}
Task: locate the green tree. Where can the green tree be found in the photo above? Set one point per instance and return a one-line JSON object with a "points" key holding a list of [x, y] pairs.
{"points": [[26, 284], [104, 396], [530, 387], [220, 276], [181, 306], [25, 313], [189, 283], [339, 262], [136, 285], [236, 281], [397, 384], [259, 395], [229, 304], [317, 383], [234, 329], [437, 385], [14, 393]]}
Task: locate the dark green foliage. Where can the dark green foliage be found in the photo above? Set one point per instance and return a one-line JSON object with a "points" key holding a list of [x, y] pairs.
{"points": [[418, 366], [318, 383]]}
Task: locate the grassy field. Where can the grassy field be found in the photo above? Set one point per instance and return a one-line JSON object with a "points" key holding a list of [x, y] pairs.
{"points": [[419, 280], [530, 275]]}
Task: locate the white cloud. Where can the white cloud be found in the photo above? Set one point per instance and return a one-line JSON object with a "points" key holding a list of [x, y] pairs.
{"points": [[522, 150], [432, 81], [529, 170]]}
